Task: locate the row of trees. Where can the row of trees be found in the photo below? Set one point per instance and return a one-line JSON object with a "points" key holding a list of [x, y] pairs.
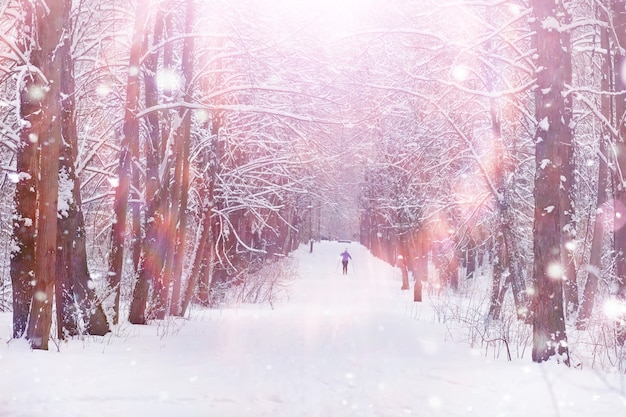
{"points": [[545, 81], [161, 151], [167, 128]]}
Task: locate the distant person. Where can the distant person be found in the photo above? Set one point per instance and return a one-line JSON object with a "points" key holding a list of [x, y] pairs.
{"points": [[345, 257]]}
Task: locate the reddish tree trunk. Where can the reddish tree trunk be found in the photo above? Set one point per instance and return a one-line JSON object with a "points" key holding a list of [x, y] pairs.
{"points": [[131, 134], [619, 23], [181, 235], [553, 117], [595, 253], [25, 198], [48, 24]]}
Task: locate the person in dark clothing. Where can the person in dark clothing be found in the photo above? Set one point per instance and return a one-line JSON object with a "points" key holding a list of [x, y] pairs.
{"points": [[345, 257]]}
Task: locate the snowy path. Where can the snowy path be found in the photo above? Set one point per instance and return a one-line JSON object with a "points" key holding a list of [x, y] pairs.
{"points": [[340, 346]]}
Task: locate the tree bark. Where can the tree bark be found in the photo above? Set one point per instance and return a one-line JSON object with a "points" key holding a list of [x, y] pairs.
{"points": [[150, 264], [25, 198], [421, 263], [130, 135], [403, 261], [170, 188], [619, 23], [48, 27], [553, 118], [595, 253], [500, 255], [205, 238], [76, 298], [499, 283], [567, 186], [181, 235]]}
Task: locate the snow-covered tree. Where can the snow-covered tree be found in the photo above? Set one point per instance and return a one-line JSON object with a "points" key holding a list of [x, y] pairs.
{"points": [[552, 160]]}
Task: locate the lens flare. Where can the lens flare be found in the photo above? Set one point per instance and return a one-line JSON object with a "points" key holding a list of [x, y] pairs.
{"points": [[168, 80], [103, 90], [555, 270], [460, 73], [614, 308], [612, 214]]}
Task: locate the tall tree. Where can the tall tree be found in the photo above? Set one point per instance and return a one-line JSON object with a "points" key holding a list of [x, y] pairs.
{"points": [[46, 32], [76, 299], [166, 213], [553, 115], [619, 24], [184, 181], [597, 238], [567, 178], [130, 137], [25, 197], [153, 244]]}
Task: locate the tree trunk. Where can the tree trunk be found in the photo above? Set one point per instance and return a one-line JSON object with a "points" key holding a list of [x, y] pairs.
{"points": [[505, 274], [25, 201], [48, 26], [453, 271], [76, 298], [405, 274], [619, 23], [595, 254], [552, 57], [25, 198], [131, 134], [205, 256], [150, 264], [421, 263], [499, 279], [205, 238], [566, 188], [205, 266], [403, 260], [170, 186], [500, 258], [181, 235]]}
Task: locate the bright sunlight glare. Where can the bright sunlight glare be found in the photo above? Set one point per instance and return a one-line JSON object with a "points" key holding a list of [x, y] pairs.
{"points": [[460, 73], [103, 90], [168, 80], [319, 6], [113, 181], [331, 17], [555, 270], [614, 308]]}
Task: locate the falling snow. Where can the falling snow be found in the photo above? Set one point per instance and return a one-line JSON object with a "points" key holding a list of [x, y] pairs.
{"points": [[335, 345]]}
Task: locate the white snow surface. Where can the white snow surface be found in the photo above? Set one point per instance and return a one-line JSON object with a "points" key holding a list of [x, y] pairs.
{"points": [[339, 346]]}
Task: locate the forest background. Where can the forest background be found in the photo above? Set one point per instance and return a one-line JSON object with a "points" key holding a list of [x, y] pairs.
{"points": [[155, 153]]}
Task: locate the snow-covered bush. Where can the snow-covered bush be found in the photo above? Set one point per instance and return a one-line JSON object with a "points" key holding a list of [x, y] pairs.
{"points": [[266, 284], [466, 315]]}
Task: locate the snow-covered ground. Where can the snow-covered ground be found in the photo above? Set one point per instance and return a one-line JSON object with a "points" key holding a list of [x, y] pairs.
{"points": [[339, 346]]}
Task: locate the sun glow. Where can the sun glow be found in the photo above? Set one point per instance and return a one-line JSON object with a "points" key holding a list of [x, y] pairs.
{"points": [[555, 270], [318, 6], [615, 309], [103, 90], [168, 81], [329, 17], [460, 73]]}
